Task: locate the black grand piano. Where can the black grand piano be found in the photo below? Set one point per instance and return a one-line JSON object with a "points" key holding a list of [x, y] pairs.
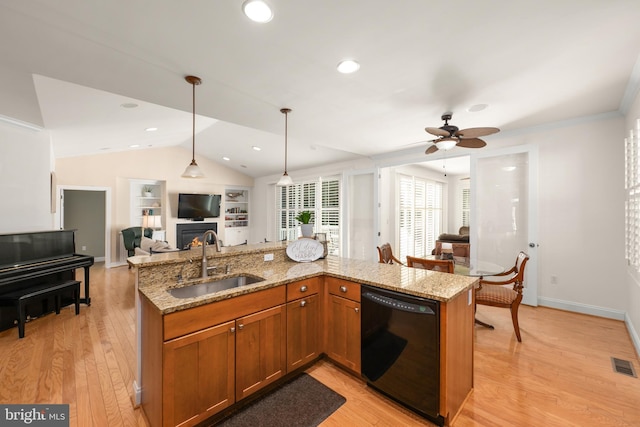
{"points": [[38, 258]]}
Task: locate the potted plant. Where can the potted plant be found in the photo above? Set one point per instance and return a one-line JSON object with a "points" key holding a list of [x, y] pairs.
{"points": [[146, 191], [305, 218]]}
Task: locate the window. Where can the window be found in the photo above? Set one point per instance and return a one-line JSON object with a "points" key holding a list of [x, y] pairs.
{"points": [[466, 206], [420, 215], [322, 198], [632, 202]]}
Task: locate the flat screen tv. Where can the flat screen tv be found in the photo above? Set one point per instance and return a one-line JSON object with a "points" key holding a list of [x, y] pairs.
{"points": [[198, 206]]}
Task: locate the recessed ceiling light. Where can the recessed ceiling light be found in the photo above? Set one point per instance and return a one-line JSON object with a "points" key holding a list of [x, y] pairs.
{"points": [[151, 129], [134, 146], [226, 158], [256, 148], [476, 108], [129, 105], [348, 66], [257, 11]]}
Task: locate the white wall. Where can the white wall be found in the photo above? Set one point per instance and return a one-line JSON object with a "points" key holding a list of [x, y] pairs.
{"points": [[114, 170], [581, 214], [633, 277], [25, 165]]}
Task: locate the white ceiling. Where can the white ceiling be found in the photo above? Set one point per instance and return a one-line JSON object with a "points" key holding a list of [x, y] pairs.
{"points": [[69, 65]]}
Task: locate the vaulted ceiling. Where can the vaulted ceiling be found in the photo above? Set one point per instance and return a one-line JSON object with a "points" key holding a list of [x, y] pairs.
{"points": [[70, 65]]}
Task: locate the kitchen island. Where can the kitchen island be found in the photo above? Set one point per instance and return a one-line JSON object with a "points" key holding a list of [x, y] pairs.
{"points": [[174, 332]]}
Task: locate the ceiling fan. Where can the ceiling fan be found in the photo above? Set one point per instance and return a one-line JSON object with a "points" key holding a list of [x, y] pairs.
{"points": [[450, 136]]}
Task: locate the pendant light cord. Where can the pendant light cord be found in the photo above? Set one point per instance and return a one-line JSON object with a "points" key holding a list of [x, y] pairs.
{"points": [[193, 124], [286, 126]]}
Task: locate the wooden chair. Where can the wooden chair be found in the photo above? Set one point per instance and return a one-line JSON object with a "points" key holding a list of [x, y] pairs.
{"points": [[442, 265], [506, 293], [386, 255]]}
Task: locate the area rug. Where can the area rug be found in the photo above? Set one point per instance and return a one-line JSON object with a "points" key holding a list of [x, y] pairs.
{"points": [[302, 402]]}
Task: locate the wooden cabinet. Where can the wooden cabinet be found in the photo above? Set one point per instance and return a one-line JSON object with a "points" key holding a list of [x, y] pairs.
{"points": [[260, 350], [303, 322], [342, 331], [198, 361], [198, 375]]}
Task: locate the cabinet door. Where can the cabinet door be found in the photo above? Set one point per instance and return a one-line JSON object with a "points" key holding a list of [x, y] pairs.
{"points": [[303, 331], [343, 332], [261, 356], [198, 372]]}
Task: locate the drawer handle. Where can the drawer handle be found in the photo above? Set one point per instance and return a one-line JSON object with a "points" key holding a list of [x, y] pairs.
{"points": [[343, 289], [240, 326], [357, 310], [303, 303], [303, 289], [232, 329]]}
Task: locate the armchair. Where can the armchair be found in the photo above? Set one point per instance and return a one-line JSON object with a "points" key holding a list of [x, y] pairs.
{"points": [[444, 266], [505, 291], [132, 236], [386, 255]]}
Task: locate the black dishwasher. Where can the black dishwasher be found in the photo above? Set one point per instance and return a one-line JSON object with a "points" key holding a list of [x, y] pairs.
{"points": [[400, 338]]}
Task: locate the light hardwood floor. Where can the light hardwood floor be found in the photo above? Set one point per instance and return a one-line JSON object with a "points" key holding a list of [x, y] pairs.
{"points": [[560, 375]]}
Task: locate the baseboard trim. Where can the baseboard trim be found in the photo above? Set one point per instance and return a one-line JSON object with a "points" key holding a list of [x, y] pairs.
{"points": [[582, 308], [137, 394], [633, 334]]}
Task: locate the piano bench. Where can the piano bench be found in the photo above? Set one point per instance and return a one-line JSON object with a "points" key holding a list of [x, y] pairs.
{"points": [[20, 298]]}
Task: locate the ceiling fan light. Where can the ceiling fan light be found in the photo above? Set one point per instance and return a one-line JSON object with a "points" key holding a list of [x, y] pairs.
{"points": [[257, 11], [446, 144], [193, 171]]}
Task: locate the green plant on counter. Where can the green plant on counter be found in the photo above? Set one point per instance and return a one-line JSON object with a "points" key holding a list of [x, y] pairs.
{"points": [[304, 217]]}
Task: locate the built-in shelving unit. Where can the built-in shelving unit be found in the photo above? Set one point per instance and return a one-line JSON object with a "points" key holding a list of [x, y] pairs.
{"points": [[236, 216], [146, 205]]}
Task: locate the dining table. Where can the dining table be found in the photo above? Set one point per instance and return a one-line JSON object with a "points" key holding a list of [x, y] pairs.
{"points": [[475, 268]]}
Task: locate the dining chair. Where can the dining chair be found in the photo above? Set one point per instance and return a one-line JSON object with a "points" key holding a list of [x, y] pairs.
{"points": [[386, 255], [505, 290], [442, 265]]}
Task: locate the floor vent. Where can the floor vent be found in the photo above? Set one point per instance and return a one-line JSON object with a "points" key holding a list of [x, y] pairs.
{"points": [[623, 367]]}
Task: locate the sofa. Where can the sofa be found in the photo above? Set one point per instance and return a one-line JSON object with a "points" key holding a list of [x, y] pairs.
{"points": [[459, 244], [149, 246]]}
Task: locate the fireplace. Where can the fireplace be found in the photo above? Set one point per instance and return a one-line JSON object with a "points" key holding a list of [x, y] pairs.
{"points": [[187, 231]]}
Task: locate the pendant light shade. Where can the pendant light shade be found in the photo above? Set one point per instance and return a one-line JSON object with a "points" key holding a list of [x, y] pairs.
{"points": [[193, 170], [285, 179]]}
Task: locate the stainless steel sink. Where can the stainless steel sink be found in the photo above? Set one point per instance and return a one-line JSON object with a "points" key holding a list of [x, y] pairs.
{"points": [[213, 286]]}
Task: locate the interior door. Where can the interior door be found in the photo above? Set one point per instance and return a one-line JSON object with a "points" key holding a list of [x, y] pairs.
{"points": [[504, 210]]}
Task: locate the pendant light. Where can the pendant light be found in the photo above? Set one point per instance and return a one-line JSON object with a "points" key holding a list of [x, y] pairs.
{"points": [[193, 170], [285, 179]]}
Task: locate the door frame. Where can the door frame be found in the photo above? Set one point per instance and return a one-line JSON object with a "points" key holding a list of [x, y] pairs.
{"points": [[59, 219], [531, 274]]}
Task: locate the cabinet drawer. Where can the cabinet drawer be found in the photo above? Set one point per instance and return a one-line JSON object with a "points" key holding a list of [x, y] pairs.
{"points": [[194, 319], [303, 288], [343, 288]]}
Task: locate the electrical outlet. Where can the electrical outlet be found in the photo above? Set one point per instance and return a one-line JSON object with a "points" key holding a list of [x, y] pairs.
{"points": [[268, 257], [554, 279], [84, 248]]}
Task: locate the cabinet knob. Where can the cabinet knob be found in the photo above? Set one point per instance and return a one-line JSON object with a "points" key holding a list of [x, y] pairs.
{"points": [[232, 329], [343, 289], [357, 310], [303, 289], [240, 326], [303, 303]]}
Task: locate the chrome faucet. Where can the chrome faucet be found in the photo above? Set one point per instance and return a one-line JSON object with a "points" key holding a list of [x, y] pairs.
{"points": [[205, 271]]}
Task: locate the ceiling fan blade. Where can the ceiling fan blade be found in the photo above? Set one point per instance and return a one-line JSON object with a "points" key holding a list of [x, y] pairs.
{"points": [[431, 149], [437, 131], [471, 143], [476, 132]]}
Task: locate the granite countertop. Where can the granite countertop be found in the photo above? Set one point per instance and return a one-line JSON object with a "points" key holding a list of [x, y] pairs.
{"points": [[423, 283]]}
